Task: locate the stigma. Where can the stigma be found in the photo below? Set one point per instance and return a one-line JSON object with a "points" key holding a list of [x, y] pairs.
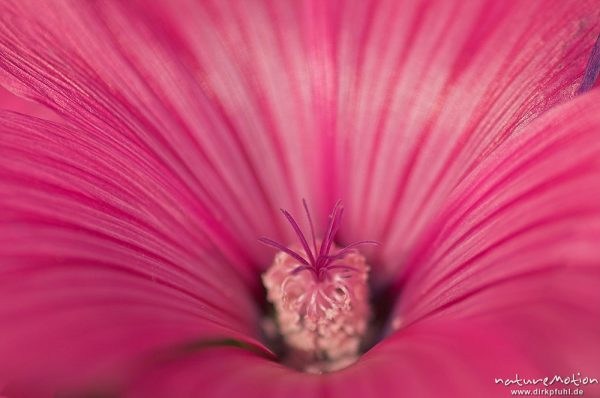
{"points": [[320, 293]]}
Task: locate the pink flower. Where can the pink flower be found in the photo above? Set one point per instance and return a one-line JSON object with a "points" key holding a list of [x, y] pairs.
{"points": [[463, 136]]}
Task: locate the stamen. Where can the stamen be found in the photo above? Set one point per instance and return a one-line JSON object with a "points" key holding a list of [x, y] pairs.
{"points": [[312, 228], [322, 314], [300, 236], [281, 247]]}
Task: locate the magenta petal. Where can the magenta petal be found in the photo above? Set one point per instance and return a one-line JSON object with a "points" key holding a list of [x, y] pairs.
{"points": [[433, 359], [427, 89], [516, 248], [533, 206], [385, 105], [98, 270], [222, 373], [148, 93], [11, 102]]}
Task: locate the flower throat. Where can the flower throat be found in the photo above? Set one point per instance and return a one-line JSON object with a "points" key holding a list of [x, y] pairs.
{"points": [[321, 296]]}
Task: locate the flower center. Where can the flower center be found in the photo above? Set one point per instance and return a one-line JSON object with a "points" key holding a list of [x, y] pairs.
{"points": [[321, 297]]}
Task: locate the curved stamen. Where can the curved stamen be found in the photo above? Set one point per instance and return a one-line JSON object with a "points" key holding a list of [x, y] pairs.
{"points": [[331, 229], [300, 235], [352, 247], [272, 243], [319, 259], [310, 223]]}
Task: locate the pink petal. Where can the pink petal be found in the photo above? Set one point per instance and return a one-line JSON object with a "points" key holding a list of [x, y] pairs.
{"points": [[99, 267], [224, 372], [439, 359], [145, 94], [515, 249], [535, 205], [255, 105], [432, 89], [11, 102]]}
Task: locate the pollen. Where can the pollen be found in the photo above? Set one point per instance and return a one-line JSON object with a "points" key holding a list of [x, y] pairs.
{"points": [[321, 297]]}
